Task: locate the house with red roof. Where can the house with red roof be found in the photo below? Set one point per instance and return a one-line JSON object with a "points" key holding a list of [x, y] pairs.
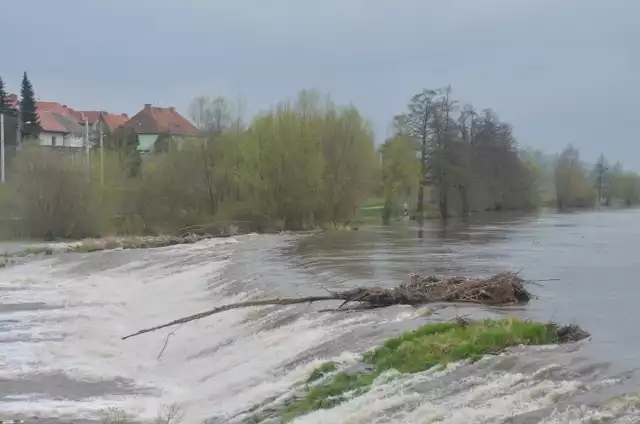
{"points": [[111, 121], [100, 121], [13, 101], [152, 122], [61, 125], [11, 120]]}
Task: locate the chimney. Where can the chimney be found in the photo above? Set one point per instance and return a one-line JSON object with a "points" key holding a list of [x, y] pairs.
{"points": [[172, 109], [64, 106], [147, 105], [125, 115]]}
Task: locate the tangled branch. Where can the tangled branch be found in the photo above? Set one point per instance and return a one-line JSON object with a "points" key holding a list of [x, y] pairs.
{"points": [[500, 289]]}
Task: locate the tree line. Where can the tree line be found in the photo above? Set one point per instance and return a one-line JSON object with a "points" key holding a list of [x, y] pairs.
{"points": [[305, 162], [25, 118], [468, 160], [446, 158]]}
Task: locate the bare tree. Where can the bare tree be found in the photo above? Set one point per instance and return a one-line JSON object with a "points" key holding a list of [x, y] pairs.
{"points": [[471, 160], [467, 127], [415, 123], [200, 113], [444, 133]]}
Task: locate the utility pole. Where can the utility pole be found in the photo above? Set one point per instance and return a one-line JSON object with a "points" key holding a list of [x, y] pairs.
{"points": [[101, 154], [2, 145], [86, 144], [18, 129], [601, 170]]}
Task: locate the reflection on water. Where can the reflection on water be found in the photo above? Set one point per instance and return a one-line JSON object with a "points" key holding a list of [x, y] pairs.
{"points": [[384, 255], [591, 258]]}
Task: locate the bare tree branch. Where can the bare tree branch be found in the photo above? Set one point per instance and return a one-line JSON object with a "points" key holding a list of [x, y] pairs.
{"points": [[278, 301], [504, 288]]}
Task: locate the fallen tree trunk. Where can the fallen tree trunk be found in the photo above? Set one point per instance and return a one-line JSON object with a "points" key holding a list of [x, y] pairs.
{"points": [[230, 306], [501, 289]]}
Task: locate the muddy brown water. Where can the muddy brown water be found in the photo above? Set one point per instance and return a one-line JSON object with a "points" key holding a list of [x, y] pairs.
{"points": [[62, 317]]}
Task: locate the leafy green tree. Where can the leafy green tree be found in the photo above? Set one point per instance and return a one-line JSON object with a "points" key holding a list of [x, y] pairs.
{"points": [[573, 189], [349, 163], [124, 142], [4, 97], [627, 186], [400, 171], [29, 113]]}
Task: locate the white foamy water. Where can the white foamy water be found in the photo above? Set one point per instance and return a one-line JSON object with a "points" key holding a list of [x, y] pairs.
{"points": [[216, 366], [61, 352]]}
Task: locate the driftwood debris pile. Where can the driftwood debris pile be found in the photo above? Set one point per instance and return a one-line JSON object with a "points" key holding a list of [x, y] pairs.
{"points": [[500, 289]]}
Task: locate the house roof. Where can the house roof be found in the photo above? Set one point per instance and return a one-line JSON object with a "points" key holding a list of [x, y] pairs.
{"points": [[49, 122], [13, 101], [58, 118], [156, 120], [90, 115], [55, 107], [71, 125], [114, 121]]}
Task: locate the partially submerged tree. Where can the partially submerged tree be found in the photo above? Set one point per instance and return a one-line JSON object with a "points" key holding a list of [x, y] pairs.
{"points": [[416, 123], [400, 171], [572, 186], [469, 159], [627, 188]]}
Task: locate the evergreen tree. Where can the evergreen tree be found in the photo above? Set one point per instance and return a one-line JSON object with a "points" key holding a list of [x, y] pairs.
{"points": [[4, 97], [29, 115]]}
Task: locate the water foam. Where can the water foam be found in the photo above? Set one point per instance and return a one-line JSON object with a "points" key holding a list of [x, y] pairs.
{"points": [[217, 366]]}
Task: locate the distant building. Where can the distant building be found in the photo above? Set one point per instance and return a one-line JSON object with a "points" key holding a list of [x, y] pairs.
{"points": [[13, 101], [111, 122], [153, 122], [11, 124], [61, 125]]}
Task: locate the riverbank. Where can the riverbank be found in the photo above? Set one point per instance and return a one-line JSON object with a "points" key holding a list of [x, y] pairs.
{"points": [[432, 345], [101, 244]]}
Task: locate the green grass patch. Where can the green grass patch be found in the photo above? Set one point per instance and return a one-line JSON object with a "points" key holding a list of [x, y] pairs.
{"points": [[372, 202], [330, 395], [87, 248], [431, 345], [322, 370]]}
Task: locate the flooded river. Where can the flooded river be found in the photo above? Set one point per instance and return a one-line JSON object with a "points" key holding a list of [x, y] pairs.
{"points": [[62, 317]]}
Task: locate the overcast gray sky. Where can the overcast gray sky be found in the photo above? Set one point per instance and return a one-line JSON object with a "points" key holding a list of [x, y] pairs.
{"points": [[560, 71]]}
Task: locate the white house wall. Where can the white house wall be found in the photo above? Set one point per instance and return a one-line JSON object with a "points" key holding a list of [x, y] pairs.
{"points": [[74, 141], [70, 140], [46, 138]]}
